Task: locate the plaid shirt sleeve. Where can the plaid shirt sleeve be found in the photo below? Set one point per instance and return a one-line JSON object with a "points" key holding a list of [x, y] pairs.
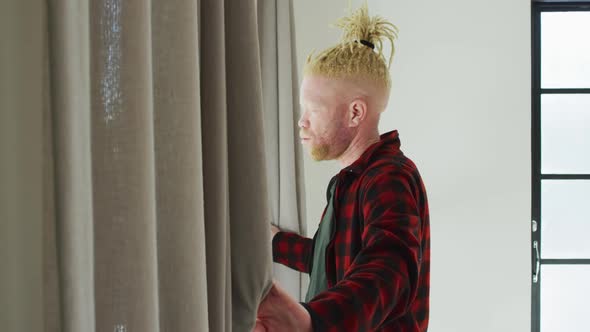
{"points": [[292, 250], [383, 278]]}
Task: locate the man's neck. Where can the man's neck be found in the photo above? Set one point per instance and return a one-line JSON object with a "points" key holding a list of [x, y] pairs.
{"points": [[357, 147]]}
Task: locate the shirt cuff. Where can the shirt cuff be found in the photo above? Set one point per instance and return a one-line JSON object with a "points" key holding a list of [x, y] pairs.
{"points": [[274, 244], [314, 319]]}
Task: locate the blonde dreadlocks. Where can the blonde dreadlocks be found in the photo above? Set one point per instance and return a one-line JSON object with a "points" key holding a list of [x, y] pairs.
{"points": [[360, 51]]}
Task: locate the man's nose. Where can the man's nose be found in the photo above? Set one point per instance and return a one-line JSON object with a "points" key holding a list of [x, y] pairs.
{"points": [[303, 123]]}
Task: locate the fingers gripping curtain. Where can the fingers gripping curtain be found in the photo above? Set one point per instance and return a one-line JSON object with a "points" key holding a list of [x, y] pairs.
{"points": [[158, 208]]}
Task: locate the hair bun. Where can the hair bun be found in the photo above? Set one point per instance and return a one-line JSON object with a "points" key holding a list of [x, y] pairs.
{"points": [[359, 26]]}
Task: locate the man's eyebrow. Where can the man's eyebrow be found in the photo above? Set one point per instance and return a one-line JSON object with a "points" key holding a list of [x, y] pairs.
{"points": [[310, 103]]}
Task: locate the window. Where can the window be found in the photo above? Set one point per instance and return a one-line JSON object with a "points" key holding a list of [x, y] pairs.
{"points": [[561, 166]]}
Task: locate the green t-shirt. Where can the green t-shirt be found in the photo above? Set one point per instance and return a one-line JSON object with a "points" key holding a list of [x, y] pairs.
{"points": [[318, 281]]}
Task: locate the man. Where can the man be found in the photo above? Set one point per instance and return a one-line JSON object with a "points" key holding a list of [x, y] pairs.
{"points": [[369, 261]]}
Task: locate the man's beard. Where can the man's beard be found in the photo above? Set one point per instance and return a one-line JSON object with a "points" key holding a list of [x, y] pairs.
{"points": [[329, 149], [326, 151], [320, 152]]}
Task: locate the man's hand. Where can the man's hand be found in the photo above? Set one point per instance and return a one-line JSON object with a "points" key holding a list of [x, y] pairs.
{"points": [[274, 229], [279, 312]]}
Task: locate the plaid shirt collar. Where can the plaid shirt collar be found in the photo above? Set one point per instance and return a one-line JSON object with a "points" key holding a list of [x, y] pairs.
{"points": [[389, 140]]}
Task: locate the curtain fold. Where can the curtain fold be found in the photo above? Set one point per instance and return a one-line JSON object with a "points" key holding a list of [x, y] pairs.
{"points": [[215, 151], [22, 26], [180, 208], [123, 170], [249, 210], [284, 161], [69, 125]]}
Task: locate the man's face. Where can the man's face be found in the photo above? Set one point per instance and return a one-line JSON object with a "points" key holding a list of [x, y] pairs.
{"points": [[323, 126]]}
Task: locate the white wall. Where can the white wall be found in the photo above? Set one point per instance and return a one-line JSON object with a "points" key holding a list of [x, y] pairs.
{"points": [[461, 101]]}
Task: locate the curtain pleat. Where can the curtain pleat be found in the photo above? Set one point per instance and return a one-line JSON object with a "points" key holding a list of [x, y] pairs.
{"points": [[69, 90], [22, 37], [123, 156], [212, 76], [249, 210], [284, 162], [179, 168]]}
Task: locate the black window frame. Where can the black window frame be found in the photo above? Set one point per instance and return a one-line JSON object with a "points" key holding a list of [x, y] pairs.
{"points": [[537, 8]]}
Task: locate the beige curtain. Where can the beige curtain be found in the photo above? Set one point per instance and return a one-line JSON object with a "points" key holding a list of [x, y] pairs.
{"points": [[284, 160], [21, 207], [154, 212]]}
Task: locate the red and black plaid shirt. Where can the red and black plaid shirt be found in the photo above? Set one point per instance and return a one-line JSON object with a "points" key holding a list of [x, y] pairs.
{"points": [[378, 261]]}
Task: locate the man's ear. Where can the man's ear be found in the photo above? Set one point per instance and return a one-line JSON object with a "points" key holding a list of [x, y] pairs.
{"points": [[357, 112]]}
